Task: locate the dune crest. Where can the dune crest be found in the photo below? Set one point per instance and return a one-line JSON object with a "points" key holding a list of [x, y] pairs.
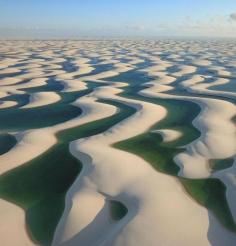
{"points": [[117, 142]]}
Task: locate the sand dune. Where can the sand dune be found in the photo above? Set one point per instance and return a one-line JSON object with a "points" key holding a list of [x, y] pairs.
{"points": [[131, 74], [12, 226], [7, 104], [133, 181], [217, 137], [130, 182], [197, 84], [184, 69], [71, 85], [169, 135], [41, 99], [35, 142]]}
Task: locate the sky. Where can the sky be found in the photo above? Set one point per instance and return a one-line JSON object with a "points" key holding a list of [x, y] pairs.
{"points": [[117, 18]]}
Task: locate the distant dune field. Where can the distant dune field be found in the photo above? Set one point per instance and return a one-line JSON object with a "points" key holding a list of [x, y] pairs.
{"points": [[117, 142]]}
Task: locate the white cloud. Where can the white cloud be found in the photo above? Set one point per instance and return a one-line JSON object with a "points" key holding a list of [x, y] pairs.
{"points": [[211, 25], [136, 27], [233, 16]]}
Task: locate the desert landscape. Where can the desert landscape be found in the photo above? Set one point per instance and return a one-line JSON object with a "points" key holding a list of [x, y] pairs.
{"points": [[117, 142]]}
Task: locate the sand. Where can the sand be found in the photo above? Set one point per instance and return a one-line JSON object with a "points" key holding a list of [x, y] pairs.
{"points": [[7, 104], [134, 183], [12, 226], [168, 135], [32, 143], [217, 139], [159, 210], [40, 99]]}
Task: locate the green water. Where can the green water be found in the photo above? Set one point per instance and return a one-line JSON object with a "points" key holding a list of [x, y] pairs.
{"points": [[220, 164], [17, 119], [117, 210], [208, 192], [230, 87], [150, 145], [7, 141], [39, 186]]}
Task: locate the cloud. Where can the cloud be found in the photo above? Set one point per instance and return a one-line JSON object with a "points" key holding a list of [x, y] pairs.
{"points": [[137, 27], [233, 16], [209, 26]]}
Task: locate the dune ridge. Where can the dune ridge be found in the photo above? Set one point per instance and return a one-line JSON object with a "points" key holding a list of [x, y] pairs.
{"points": [[90, 75]]}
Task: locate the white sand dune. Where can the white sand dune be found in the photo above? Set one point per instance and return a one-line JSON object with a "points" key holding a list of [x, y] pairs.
{"points": [[228, 176], [197, 84], [202, 62], [118, 68], [32, 83], [185, 69], [9, 71], [134, 180], [83, 68], [18, 88], [7, 62], [71, 85], [32, 143], [9, 81], [217, 137], [160, 212], [12, 226], [168, 135], [40, 99], [220, 71], [217, 140], [7, 104]]}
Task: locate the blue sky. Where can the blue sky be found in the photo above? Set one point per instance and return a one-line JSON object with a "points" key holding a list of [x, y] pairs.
{"points": [[75, 18]]}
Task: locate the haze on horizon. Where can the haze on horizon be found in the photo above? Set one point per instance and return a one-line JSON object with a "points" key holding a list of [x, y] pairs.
{"points": [[130, 18]]}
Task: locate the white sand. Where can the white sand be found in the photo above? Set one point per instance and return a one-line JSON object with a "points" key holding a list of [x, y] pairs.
{"points": [[159, 210], [185, 69], [217, 137], [9, 71], [217, 141], [39, 99], [7, 104], [71, 85], [9, 81], [12, 227], [30, 144], [197, 84], [154, 196], [35, 142], [168, 135]]}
